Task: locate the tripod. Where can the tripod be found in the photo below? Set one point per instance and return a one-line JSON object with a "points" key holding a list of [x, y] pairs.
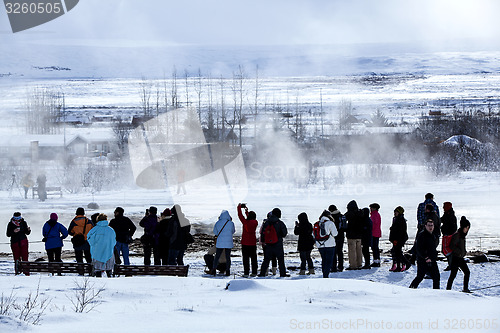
{"points": [[14, 183]]}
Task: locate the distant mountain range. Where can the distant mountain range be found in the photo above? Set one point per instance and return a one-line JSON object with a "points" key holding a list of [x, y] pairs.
{"points": [[98, 59]]}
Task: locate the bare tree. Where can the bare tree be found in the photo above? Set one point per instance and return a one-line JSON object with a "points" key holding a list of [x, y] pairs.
{"points": [[145, 90], [86, 296], [44, 111], [345, 114]]}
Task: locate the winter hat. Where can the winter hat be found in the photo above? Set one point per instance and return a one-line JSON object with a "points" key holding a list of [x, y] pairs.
{"points": [[17, 216], [375, 206], [153, 210], [429, 196], [447, 206], [332, 208], [277, 212], [400, 210], [80, 211], [53, 216], [119, 210], [166, 212], [464, 222]]}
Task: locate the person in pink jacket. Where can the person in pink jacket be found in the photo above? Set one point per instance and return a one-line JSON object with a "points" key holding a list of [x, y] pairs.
{"points": [[376, 233]]}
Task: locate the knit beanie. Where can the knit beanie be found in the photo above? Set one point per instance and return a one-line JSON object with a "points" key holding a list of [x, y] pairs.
{"points": [[464, 222], [447, 206], [53, 216], [277, 212], [400, 210]]}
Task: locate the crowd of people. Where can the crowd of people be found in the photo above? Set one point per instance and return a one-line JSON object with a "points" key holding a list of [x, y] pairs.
{"points": [[167, 236]]}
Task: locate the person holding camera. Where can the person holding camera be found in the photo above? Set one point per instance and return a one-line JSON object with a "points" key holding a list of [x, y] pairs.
{"points": [[79, 228], [426, 256], [248, 240], [17, 230], [53, 234]]}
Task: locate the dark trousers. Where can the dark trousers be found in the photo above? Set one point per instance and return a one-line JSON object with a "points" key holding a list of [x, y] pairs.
{"points": [[273, 252], [338, 258], [456, 263], [80, 253], [422, 268], [148, 249], [249, 253], [175, 257], [218, 253], [209, 261], [375, 248], [397, 255], [54, 254], [305, 258], [365, 249], [327, 254]]}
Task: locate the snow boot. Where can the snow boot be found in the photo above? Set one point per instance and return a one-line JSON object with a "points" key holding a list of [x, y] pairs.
{"points": [[393, 268], [403, 268], [376, 263], [302, 272], [311, 271]]}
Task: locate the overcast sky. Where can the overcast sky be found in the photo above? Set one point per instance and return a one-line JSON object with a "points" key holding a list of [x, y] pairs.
{"points": [[261, 22]]}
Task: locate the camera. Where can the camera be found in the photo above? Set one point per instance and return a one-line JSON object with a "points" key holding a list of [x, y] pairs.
{"points": [[243, 205]]}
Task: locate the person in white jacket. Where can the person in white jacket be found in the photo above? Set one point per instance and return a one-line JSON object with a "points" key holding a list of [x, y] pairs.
{"points": [[325, 241], [223, 230]]}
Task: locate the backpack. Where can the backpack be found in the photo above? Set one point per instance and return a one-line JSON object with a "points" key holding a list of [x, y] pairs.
{"points": [[270, 234], [342, 223], [319, 232], [446, 249]]}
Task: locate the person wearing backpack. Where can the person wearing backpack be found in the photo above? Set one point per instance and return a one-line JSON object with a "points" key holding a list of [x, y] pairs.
{"points": [[355, 226], [79, 227], [274, 261], [341, 225], [224, 230], [178, 231], [248, 240], [304, 229], [376, 233], [457, 246], [324, 234], [273, 232], [448, 228]]}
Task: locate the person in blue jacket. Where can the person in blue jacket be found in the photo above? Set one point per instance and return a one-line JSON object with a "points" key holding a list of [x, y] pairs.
{"points": [[102, 240], [53, 234], [224, 230]]}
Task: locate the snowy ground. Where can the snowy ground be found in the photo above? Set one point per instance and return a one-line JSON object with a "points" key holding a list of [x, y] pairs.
{"points": [[367, 300]]}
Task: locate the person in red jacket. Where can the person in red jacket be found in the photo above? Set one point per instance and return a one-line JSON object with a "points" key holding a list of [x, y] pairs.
{"points": [[376, 233], [248, 240]]}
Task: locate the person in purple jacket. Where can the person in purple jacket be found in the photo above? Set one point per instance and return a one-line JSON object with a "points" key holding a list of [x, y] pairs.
{"points": [[150, 238], [53, 234]]}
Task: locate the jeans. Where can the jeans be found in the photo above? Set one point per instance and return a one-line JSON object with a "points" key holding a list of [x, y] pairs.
{"points": [[327, 254], [175, 257], [123, 248], [305, 258], [338, 258], [273, 252]]}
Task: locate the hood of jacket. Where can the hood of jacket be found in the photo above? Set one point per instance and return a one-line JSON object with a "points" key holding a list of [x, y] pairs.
{"points": [[52, 223], [303, 218], [224, 216], [103, 223], [352, 206]]}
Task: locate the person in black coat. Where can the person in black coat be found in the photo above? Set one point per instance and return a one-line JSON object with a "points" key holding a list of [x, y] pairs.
{"points": [[124, 229], [304, 229], [448, 227], [163, 238], [426, 256], [355, 227], [366, 241], [274, 250], [430, 213], [177, 231], [398, 236], [338, 258], [457, 245]]}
